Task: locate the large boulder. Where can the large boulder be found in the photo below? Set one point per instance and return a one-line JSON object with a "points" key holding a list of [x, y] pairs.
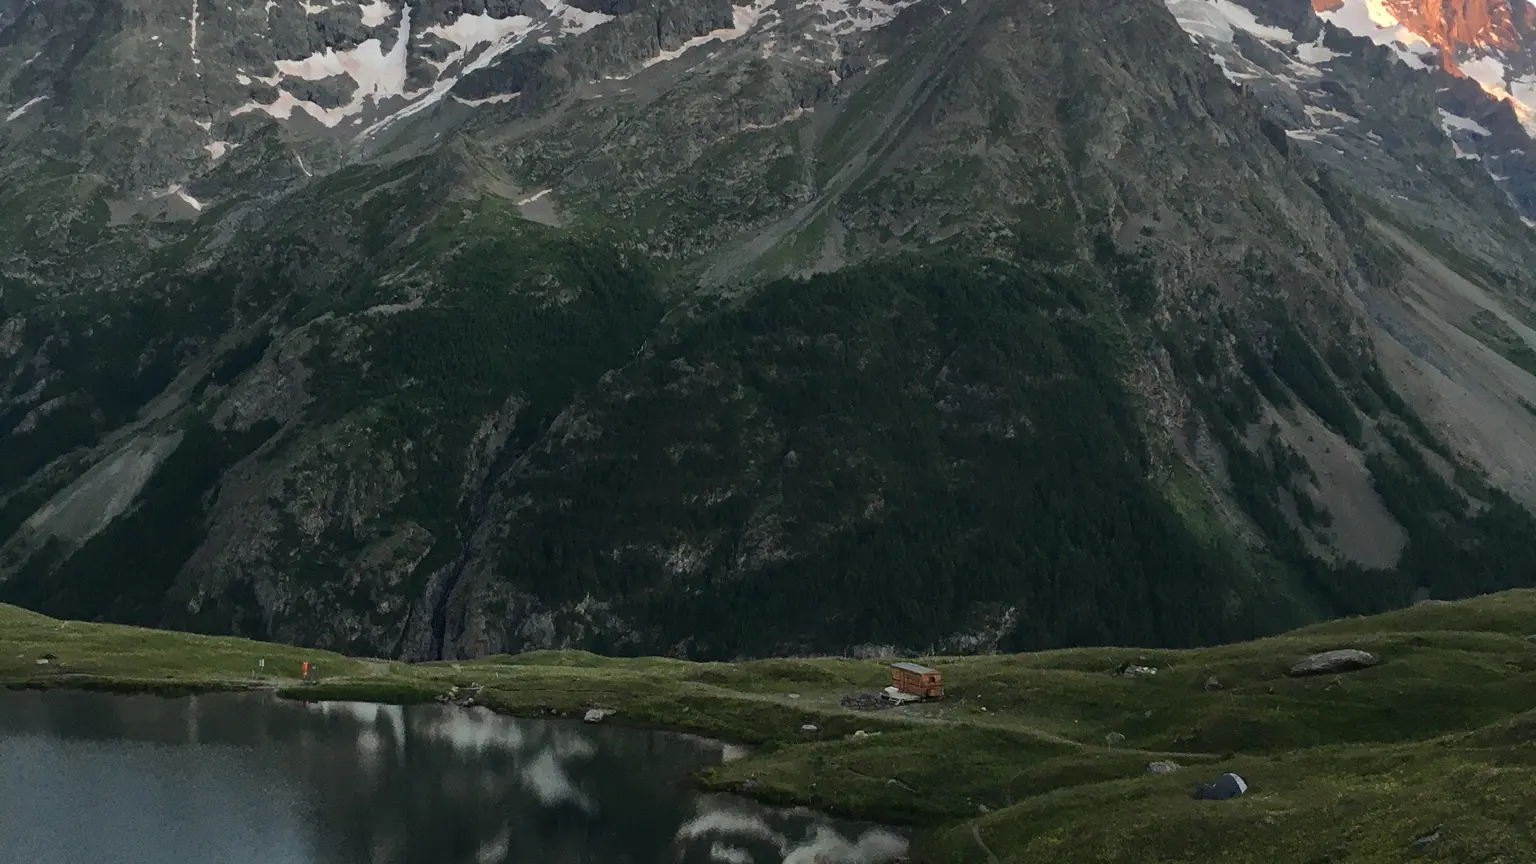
{"points": [[1343, 660]]}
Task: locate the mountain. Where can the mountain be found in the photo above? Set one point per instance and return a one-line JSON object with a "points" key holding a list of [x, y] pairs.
{"points": [[714, 330]]}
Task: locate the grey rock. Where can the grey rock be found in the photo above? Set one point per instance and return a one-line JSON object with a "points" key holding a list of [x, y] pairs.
{"points": [[332, 92], [1328, 662], [1162, 767], [1213, 684], [1114, 739], [1427, 840], [863, 701]]}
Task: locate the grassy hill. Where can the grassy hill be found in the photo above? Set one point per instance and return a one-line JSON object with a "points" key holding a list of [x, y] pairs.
{"points": [[1428, 756]]}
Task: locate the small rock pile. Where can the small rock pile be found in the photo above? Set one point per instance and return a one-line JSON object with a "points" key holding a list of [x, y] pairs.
{"points": [[863, 701], [463, 697]]}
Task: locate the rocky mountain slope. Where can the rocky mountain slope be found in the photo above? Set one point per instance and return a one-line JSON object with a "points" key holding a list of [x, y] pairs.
{"points": [[709, 329]]}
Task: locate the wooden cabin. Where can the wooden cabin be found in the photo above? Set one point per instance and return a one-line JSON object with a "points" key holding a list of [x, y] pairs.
{"points": [[918, 680]]}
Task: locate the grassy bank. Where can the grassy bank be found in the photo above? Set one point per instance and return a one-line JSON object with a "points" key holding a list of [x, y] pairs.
{"points": [[1428, 756]]}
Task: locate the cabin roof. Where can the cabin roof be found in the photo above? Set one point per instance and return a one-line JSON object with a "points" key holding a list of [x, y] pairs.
{"points": [[915, 668]]}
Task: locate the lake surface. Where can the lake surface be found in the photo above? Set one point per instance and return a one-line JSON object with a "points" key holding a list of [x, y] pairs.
{"points": [[91, 778]]}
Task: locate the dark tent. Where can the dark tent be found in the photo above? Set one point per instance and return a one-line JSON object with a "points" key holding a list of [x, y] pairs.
{"points": [[1226, 786]]}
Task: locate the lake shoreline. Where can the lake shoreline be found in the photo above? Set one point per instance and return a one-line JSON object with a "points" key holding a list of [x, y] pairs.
{"points": [[1026, 753], [401, 691], [218, 769]]}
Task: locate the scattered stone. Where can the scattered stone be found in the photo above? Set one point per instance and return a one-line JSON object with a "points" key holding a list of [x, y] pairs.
{"points": [[810, 727], [1114, 738], [861, 735], [42, 661], [794, 695], [1212, 684], [1343, 660], [596, 715], [1531, 638], [1134, 671], [1162, 767]]}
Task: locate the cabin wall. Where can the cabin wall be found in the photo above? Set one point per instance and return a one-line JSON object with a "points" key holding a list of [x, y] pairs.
{"points": [[928, 686]]}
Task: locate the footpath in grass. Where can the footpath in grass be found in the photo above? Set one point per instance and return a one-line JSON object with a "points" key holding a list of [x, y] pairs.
{"points": [[1429, 755]]}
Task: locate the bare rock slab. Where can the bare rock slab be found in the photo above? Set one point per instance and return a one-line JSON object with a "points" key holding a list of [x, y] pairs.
{"points": [[1330, 662]]}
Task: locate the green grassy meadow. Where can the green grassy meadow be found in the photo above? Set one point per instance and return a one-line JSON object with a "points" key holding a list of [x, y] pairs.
{"points": [[1428, 756]]}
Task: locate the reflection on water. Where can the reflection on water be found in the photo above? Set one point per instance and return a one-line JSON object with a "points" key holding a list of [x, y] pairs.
{"points": [[249, 779]]}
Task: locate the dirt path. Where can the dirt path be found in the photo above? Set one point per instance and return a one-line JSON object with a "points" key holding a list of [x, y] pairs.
{"points": [[976, 833], [819, 702]]}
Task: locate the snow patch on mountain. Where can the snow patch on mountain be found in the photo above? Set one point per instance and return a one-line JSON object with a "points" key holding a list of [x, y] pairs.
{"points": [[1453, 122], [1372, 20], [1319, 116], [16, 114], [1213, 24], [384, 95], [469, 32], [378, 74], [489, 100], [1314, 53], [1491, 75], [193, 19], [851, 16], [502, 34], [573, 21], [1217, 19], [375, 12], [744, 19]]}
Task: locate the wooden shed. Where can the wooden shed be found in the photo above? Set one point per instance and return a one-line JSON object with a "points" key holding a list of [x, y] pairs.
{"points": [[918, 680]]}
